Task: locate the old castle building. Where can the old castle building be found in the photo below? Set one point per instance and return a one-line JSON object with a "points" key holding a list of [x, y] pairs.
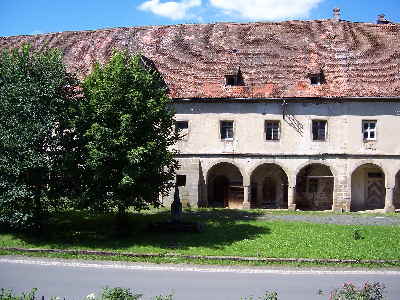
{"points": [[297, 114]]}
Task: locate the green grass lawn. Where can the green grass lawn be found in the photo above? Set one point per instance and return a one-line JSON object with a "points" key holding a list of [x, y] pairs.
{"points": [[226, 233]]}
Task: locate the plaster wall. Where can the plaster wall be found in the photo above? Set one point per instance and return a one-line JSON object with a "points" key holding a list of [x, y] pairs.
{"points": [[343, 151], [344, 129]]}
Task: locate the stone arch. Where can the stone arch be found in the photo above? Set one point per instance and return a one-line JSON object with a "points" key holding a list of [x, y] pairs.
{"points": [[310, 162], [217, 162], [225, 185], [368, 186], [315, 184], [269, 186]]}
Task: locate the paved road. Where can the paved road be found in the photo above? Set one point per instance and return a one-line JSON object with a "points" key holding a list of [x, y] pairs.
{"points": [[336, 219], [75, 279]]}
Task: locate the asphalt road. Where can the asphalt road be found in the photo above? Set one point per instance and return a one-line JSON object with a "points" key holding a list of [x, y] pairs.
{"points": [[74, 279]]}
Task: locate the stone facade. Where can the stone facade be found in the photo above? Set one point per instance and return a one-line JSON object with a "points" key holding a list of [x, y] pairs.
{"points": [[343, 172]]}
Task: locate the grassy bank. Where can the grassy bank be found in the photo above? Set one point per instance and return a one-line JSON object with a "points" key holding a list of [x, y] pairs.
{"points": [[231, 233]]}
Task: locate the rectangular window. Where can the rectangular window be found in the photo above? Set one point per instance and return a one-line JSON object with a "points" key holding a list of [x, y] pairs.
{"points": [[231, 80], [180, 180], [272, 130], [226, 128], [319, 130], [183, 128], [369, 130]]}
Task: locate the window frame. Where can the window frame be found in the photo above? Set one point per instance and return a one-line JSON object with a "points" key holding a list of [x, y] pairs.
{"points": [[369, 130], [185, 136], [326, 130], [279, 130], [220, 130]]}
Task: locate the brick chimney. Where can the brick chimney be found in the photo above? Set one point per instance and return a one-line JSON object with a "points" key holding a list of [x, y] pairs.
{"points": [[336, 14], [382, 20]]}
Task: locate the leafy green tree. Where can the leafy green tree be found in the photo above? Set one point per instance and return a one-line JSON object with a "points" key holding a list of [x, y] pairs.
{"points": [[37, 102], [128, 127]]}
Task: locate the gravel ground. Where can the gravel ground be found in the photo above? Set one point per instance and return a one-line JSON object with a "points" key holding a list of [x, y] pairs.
{"points": [[336, 219]]}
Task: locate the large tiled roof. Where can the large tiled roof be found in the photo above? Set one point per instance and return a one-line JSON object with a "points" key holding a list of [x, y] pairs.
{"points": [[275, 59]]}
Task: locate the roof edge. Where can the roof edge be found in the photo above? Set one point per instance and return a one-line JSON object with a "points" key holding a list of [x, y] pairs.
{"points": [[291, 99]]}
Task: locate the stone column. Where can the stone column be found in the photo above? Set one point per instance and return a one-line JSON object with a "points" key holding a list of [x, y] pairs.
{"points": [[389, 206], [291, 198], [204, 194], [246, 196]]}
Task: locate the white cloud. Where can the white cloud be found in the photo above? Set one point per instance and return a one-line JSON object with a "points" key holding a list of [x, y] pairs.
{"points": [[171, 9], [266, 9]]}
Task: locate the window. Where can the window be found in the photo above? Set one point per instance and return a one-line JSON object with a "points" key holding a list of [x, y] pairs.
{"points": [[226, 128], [319, 130], [234, 78], [272, 130], [369, 130], [317, 79], [183, 128], [230, 80], [180, 180]]}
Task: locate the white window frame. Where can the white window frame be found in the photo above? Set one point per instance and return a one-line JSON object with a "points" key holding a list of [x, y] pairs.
{"points": [[233, 130], [279, 130], [368, 130], [183, 133]]}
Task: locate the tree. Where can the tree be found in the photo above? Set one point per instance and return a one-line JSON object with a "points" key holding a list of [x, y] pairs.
{"points": [[128, 127], [37, 100]]}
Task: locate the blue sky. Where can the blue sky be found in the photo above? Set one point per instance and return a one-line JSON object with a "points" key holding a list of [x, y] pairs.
{"points": [[41, 16]]}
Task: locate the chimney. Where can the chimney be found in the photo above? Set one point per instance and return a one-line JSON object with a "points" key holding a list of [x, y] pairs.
{"points": [[336, 14], [382, 20]]}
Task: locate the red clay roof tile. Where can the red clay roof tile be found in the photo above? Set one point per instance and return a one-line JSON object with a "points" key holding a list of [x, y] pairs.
{"points": [[276, 59]]}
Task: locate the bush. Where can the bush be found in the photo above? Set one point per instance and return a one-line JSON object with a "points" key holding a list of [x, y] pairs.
{"points": [[118, 293], [6, 294], [369, 291], [268, 296]]}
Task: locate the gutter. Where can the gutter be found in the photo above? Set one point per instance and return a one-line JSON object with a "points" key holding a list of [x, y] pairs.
{"points": [[289, 99]]}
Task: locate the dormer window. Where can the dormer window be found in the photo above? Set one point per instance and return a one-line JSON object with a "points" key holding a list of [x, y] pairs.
{"points": [[317, 78], [234, 79], [231, 80]]}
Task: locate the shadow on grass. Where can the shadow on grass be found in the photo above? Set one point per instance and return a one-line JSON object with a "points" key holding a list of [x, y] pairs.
{"points": [[80, 230]]}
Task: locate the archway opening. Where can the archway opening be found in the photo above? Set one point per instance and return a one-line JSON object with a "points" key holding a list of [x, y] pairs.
{"points": [[314, 188], [269, 187], [396, 198], [368, 188], [225, 186]]}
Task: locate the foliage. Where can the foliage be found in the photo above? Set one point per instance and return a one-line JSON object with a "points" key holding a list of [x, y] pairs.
{"points": [[164, 297], [369, 291], [37, 100], [7, 294], [119, 293], [268, 296], [128, 128]]}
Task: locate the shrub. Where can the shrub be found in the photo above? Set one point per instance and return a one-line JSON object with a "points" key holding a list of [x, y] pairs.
{"points": [[7, 294], [268, 296], [369, 291], [119, 293]]}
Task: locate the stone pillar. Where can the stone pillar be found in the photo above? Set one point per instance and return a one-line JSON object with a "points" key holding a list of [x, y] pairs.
{"points": [[389, 206], [260, 195], [204, 194], [292, 198], [246, 196]]}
